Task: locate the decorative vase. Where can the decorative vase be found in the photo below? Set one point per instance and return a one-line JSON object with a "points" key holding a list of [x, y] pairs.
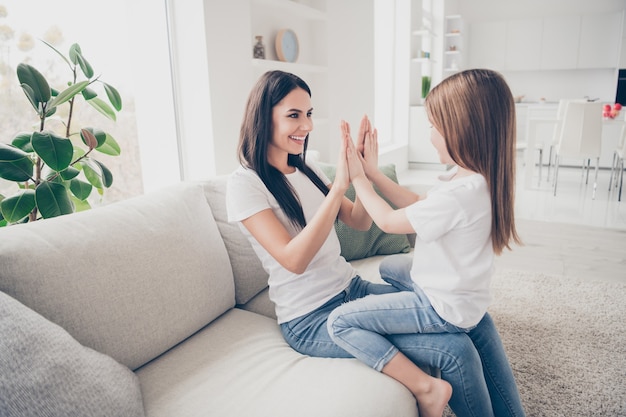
{"points": [[259, 48]]}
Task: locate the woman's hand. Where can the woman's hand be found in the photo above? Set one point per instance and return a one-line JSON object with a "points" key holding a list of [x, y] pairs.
{"points": [[342, 175], [352, 156]]}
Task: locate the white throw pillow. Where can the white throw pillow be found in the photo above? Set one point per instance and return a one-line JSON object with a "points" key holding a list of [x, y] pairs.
{"points": [[46, 372]]}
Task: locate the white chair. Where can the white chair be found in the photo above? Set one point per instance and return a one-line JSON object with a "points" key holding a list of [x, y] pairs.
{"points": [[581, 137], [618, 163], [556, 133], [553, 141]]}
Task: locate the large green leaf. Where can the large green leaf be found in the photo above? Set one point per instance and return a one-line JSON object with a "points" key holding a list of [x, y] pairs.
{"points": [[85, 66], [88, 94], [27, 74], [3, 222], [102, 107], [92, 173], [15, 164], [53, 200], [17, 207], [110, 146], [80, 189], [80, 205], [107, 176], [114, 96], [76, 56], [22, 141], [32, 97], [74, 52], [97, 173], [50, 111], [69, 173], [54, 150], [68, 93]]}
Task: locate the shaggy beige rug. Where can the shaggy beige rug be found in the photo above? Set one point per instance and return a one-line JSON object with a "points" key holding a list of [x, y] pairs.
{"points": [[566, 341]]}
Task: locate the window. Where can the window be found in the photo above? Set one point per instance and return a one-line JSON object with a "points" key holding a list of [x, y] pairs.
{"points": [[392, 34], [131, 57]]}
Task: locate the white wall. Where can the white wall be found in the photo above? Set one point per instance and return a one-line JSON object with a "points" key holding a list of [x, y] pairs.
{"points": [[350, 67], [229, 53], [555, 84], [154, 96]]}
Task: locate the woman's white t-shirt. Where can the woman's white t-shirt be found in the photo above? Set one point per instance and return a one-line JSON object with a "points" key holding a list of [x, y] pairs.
{"points": [[453, 258], [326, 275]]}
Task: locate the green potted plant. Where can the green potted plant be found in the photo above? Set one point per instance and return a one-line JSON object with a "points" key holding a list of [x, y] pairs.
{"points": [[425, 85], [55, 173]]}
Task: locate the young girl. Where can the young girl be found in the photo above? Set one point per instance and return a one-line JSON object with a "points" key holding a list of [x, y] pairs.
{"points": [[287, 209], [459, 225]]}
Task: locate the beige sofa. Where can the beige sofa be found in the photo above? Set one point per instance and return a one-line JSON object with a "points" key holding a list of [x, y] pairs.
{"points": [[157, 306]]}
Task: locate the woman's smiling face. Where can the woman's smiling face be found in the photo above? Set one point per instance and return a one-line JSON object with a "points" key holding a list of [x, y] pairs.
{"points": [[291, 123]]}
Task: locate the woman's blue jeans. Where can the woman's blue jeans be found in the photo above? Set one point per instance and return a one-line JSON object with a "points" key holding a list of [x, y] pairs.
{"points": [[474, 363]]}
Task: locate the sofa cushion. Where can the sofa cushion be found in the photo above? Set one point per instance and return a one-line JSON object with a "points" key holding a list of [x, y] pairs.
{"points": [[357, 244], [241, 366], [250, 277], [46, 372], [131, 279]]}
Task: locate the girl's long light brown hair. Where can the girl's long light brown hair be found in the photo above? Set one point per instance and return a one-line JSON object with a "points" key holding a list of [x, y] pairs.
{"points": [[475, 112]]}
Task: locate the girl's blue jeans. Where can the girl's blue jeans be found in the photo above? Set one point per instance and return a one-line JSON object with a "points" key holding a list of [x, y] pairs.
{"points": [[473, 362]]}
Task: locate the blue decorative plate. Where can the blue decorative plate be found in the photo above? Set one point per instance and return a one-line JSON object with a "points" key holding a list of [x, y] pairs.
{"points": [[287, 45]]}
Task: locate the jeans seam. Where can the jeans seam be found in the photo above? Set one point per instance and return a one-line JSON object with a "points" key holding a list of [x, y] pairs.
{"points": [[504, 398]]}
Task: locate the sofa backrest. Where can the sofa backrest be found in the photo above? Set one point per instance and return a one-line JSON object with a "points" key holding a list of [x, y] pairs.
{"points": [[250, 277], [130, 279]]}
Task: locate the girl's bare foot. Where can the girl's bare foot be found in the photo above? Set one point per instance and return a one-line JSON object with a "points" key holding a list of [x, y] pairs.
{"points": [[432, 400], [432, 394]]}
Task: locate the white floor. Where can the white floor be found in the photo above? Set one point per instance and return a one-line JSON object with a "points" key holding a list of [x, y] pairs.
{"points": [[560, 247], [573, 203]]}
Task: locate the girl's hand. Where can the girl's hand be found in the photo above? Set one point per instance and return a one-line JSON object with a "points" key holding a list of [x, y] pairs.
{"points": [[351, 155], [370, 153], [364, 128]]}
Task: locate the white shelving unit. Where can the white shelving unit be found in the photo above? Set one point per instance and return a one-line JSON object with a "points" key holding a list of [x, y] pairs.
{"points": [[453, 45], [308, 19], [423, 44], [437, 29]]}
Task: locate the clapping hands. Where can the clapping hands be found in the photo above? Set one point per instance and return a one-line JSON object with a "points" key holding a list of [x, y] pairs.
{"points": [[361, 159], [354, 159], [367, 146]]}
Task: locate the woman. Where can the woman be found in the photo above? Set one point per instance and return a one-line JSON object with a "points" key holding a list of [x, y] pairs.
{"points": [[287, 210]]}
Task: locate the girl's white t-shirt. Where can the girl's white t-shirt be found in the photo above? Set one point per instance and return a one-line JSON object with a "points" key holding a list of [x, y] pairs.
{"points": [[326, 275], [453, 259]]}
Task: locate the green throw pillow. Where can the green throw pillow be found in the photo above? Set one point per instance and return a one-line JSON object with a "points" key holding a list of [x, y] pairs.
{"points": [[357, 244]]}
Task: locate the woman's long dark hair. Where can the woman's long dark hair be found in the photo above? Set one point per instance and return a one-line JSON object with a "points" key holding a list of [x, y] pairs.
{"points": [[256, 135]]}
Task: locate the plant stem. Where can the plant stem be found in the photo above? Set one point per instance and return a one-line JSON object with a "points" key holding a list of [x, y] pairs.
{"points": [[69, 117], [42, 116]]}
